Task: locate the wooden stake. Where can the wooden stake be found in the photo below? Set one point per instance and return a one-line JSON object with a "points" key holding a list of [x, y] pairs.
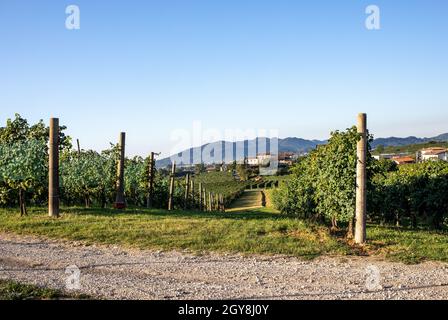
{"points": [[150, 198], [192, 193], [361, 203], [209, 201], [120, 201], [170, 199], [187, 190], [53, 166], [79, 147], [200, 196]]}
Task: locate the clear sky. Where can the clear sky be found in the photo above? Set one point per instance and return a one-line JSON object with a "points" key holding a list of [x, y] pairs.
{"points": [[151, 67]]}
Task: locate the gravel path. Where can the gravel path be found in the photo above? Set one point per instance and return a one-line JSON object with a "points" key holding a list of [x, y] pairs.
{"points": [[117, 273]]}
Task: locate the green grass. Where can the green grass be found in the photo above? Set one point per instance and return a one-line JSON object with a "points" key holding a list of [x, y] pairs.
{"points": [[253, 232], [12, 290], [250, 232], [246, 200], [408, 245]]}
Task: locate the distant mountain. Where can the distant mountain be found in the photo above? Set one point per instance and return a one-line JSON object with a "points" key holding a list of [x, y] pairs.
{"points": [[240, 149], [398, 142]]}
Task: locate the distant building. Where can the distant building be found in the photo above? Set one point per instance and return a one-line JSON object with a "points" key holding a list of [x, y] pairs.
{"points": [[390, 156], [287, 158], [433, 154], [252, 161], [403, 160]]}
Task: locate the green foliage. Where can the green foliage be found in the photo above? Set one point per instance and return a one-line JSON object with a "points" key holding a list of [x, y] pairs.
{"points": [[242, 171], [414, 192], [88, 176], [324, 183], [221, 183], [23, 166], [19, 130], [412, 148]]}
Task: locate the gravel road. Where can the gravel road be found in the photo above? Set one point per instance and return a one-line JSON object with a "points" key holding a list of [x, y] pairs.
{"points": [[115, 273]]}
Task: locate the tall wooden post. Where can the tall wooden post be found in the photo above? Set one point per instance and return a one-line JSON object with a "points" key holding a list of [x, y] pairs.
{"points": [[187, 191], [53, 172], [361, 202], [79, 147], [200, 196], [170, 199], [192, 193], [119, 200], [210, 201], [150, 198]]}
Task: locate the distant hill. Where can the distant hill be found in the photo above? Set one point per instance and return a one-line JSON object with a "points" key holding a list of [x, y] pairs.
{"points": [[249, 148], [241, 149], [396, 142]]}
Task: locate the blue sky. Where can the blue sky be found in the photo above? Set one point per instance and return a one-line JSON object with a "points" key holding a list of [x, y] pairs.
{"points": [[151, 67]]}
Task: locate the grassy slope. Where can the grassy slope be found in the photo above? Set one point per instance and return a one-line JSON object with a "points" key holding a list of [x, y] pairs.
{"points": [[249, 199], [11, 290], [259, 231]]}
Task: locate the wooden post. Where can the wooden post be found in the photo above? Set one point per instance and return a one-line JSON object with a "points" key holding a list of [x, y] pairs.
{"points": [[200, 196], [209, 201], [119, 200], [53, 172], [361, 203], [216, 202], [170, 199], [150, 198], [79, 147], [192, 193], [204, 202], [187, 191]]}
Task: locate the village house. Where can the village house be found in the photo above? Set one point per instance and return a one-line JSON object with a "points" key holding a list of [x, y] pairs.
{"points": [[286, 158], [390, 156], [403, 160], [433, 154], [252, 161]]}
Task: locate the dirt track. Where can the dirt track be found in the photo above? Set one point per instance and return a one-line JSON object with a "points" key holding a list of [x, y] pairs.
{"points": [[116, 273]]}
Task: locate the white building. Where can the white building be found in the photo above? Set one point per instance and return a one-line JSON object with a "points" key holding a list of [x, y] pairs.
{"points": [[252, 161], [434, 154]]}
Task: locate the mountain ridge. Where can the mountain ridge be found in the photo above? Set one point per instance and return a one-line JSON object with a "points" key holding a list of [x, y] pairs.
{"points": [[251, 147]]}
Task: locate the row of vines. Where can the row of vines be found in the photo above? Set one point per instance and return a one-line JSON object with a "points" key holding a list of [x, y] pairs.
{"points": [[323, 185], [88, 177]]}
